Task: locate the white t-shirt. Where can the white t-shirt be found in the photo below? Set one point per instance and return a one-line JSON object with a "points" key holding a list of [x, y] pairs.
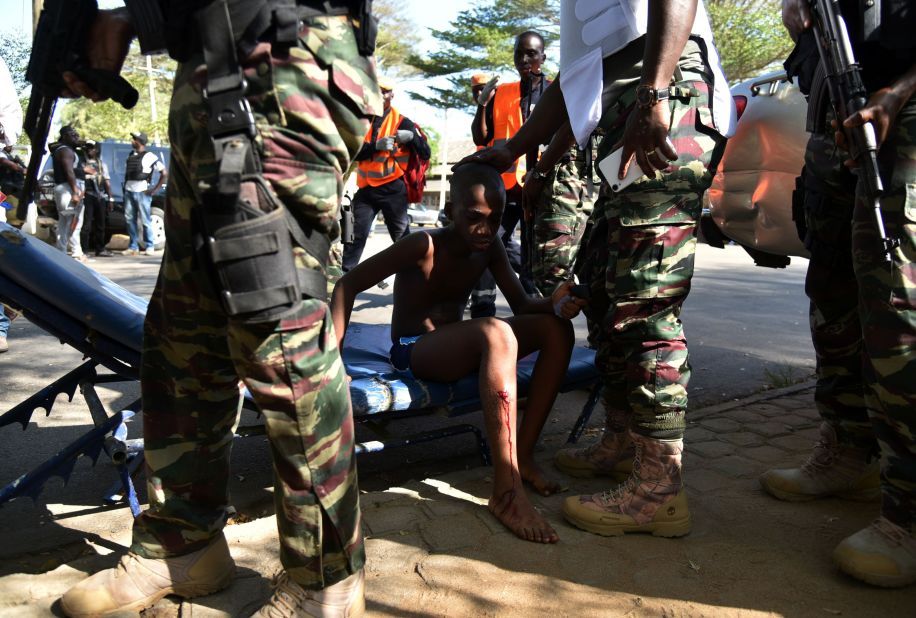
{"points": [[591, 30], [148, 163], [10, 112]]}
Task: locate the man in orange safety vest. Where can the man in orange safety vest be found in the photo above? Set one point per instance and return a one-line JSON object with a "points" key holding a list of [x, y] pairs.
{"points": [[382, 162]]}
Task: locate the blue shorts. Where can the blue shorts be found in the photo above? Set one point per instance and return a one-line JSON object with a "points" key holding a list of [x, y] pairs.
{"points": [[400, 352]]}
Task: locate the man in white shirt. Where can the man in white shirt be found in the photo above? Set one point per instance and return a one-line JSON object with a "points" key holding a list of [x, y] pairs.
{"points": [[68, 192], [138, 196]]}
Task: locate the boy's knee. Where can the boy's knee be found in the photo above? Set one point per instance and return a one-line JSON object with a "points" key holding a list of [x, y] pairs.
{"points": [[498, 335]]}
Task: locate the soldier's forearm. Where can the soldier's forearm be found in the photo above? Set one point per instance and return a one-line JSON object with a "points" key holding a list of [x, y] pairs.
{"points": [[562, 141], [548, 115], [668, 30]]}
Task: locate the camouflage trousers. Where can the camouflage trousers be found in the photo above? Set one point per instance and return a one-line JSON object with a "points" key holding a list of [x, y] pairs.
{"points": [[310, 108], [831, 287], [864, 311], [638, 261], [558, 225]]}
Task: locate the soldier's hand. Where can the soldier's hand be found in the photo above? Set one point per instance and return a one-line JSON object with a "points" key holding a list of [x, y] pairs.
{"points": [[385, 143], [881, 111], [646, 137], [796, 17], [107, 44], [499, 157]]}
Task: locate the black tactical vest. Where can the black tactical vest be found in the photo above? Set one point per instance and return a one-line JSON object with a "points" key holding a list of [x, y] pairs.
{"points": [[134, 170]]}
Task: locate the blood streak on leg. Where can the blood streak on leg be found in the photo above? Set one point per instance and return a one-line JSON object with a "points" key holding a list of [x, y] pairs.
{"points": [[504, 399]]}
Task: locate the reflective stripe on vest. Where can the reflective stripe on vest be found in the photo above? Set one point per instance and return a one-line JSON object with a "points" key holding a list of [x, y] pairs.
{"points": [[507, 120], [384, 165]]}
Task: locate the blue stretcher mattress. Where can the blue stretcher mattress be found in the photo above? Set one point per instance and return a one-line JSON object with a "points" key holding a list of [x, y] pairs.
{"points": [[76, 302]]}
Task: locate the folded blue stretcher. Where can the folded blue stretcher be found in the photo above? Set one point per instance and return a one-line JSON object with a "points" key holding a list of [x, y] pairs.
{"points": [[104, 322]]}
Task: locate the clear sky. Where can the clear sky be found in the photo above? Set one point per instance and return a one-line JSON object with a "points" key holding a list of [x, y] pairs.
{"points": [[16, 15]]}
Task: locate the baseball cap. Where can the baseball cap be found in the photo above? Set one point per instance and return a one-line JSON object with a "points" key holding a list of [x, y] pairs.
{"points": [[140, 137], [479, 79], [385, 83], [89, 143]]}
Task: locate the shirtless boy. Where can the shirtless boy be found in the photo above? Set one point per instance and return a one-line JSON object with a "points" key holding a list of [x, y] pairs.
{"points": [[434, 274]]}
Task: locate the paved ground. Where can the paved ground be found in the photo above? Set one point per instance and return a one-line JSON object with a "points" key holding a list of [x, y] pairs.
{"points": [[434, 550]]}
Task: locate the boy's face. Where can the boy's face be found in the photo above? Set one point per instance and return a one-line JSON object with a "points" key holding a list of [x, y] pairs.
{"points": [[477, 220]]}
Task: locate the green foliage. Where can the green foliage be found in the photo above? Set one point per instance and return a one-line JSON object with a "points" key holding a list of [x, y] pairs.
{"points": [[480, 39], [398, 37], [749, 35], [15, 52], [433, 138], [109, 120]]}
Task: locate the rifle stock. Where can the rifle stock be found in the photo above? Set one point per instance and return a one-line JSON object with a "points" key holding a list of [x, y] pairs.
{"points": [[59, 46], [847, 96]]}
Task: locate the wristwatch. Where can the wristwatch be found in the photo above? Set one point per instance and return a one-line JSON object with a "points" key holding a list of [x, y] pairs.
{"points": [[647, 96]]}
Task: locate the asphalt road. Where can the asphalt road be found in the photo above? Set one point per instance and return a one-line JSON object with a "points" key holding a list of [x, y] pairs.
{"points": [[747, 329]]}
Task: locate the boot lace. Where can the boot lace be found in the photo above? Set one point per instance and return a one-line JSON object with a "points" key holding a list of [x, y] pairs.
{"points": [[821, 458], [616, 495], [892, 531], [286, 598]]}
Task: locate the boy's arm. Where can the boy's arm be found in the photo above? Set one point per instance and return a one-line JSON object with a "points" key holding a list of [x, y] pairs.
{"points": [[403, 254], [561, 302]]}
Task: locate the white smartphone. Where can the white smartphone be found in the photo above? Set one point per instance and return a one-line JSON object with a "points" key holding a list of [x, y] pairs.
{"points": [[610, 165]]}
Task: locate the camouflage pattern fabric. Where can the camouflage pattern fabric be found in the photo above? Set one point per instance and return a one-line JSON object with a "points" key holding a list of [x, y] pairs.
{"points": [[831, 286], [558, 225], [639, 263], [887, 302], [311, 108]]}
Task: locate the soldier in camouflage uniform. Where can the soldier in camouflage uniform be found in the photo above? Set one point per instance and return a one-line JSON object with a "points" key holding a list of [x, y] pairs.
{"points": [[863, 310], [311, 108], [557, 203], [639, 262]]}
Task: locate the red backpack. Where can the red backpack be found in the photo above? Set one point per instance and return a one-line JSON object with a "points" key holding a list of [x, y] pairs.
{"points": [[415, 174]]}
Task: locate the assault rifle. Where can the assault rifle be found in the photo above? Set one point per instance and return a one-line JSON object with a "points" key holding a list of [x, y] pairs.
{"points": [[847, 96], [59, 45]]}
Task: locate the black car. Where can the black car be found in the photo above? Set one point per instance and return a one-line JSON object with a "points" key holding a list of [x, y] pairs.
{"points": [[114, 155]]}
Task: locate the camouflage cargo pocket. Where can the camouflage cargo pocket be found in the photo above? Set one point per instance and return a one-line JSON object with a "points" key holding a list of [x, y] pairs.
{"points": [[674, 196]]}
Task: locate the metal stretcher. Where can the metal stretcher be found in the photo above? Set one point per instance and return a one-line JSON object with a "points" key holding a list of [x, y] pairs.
{"points": [[104, 322]]}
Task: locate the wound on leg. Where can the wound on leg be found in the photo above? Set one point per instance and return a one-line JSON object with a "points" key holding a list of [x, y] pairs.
{"points": [[506, 404]]}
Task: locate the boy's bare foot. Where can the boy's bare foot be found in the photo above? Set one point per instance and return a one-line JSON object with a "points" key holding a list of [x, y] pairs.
{"points": [[518, 515], [531, 473]]}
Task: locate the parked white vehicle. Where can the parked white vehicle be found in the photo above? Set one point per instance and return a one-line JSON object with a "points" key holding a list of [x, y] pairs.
{"points": [[418, 214], [750, 200]]}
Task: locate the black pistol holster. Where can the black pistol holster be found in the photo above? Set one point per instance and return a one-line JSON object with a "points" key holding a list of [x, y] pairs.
{"points": [[244, 235]]}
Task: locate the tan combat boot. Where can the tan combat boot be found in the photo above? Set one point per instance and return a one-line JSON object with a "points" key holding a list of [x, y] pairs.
{"points": [[833, 469], [612, 455], [137, 582], [652, 499], [884, 554], [345, 599]]}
